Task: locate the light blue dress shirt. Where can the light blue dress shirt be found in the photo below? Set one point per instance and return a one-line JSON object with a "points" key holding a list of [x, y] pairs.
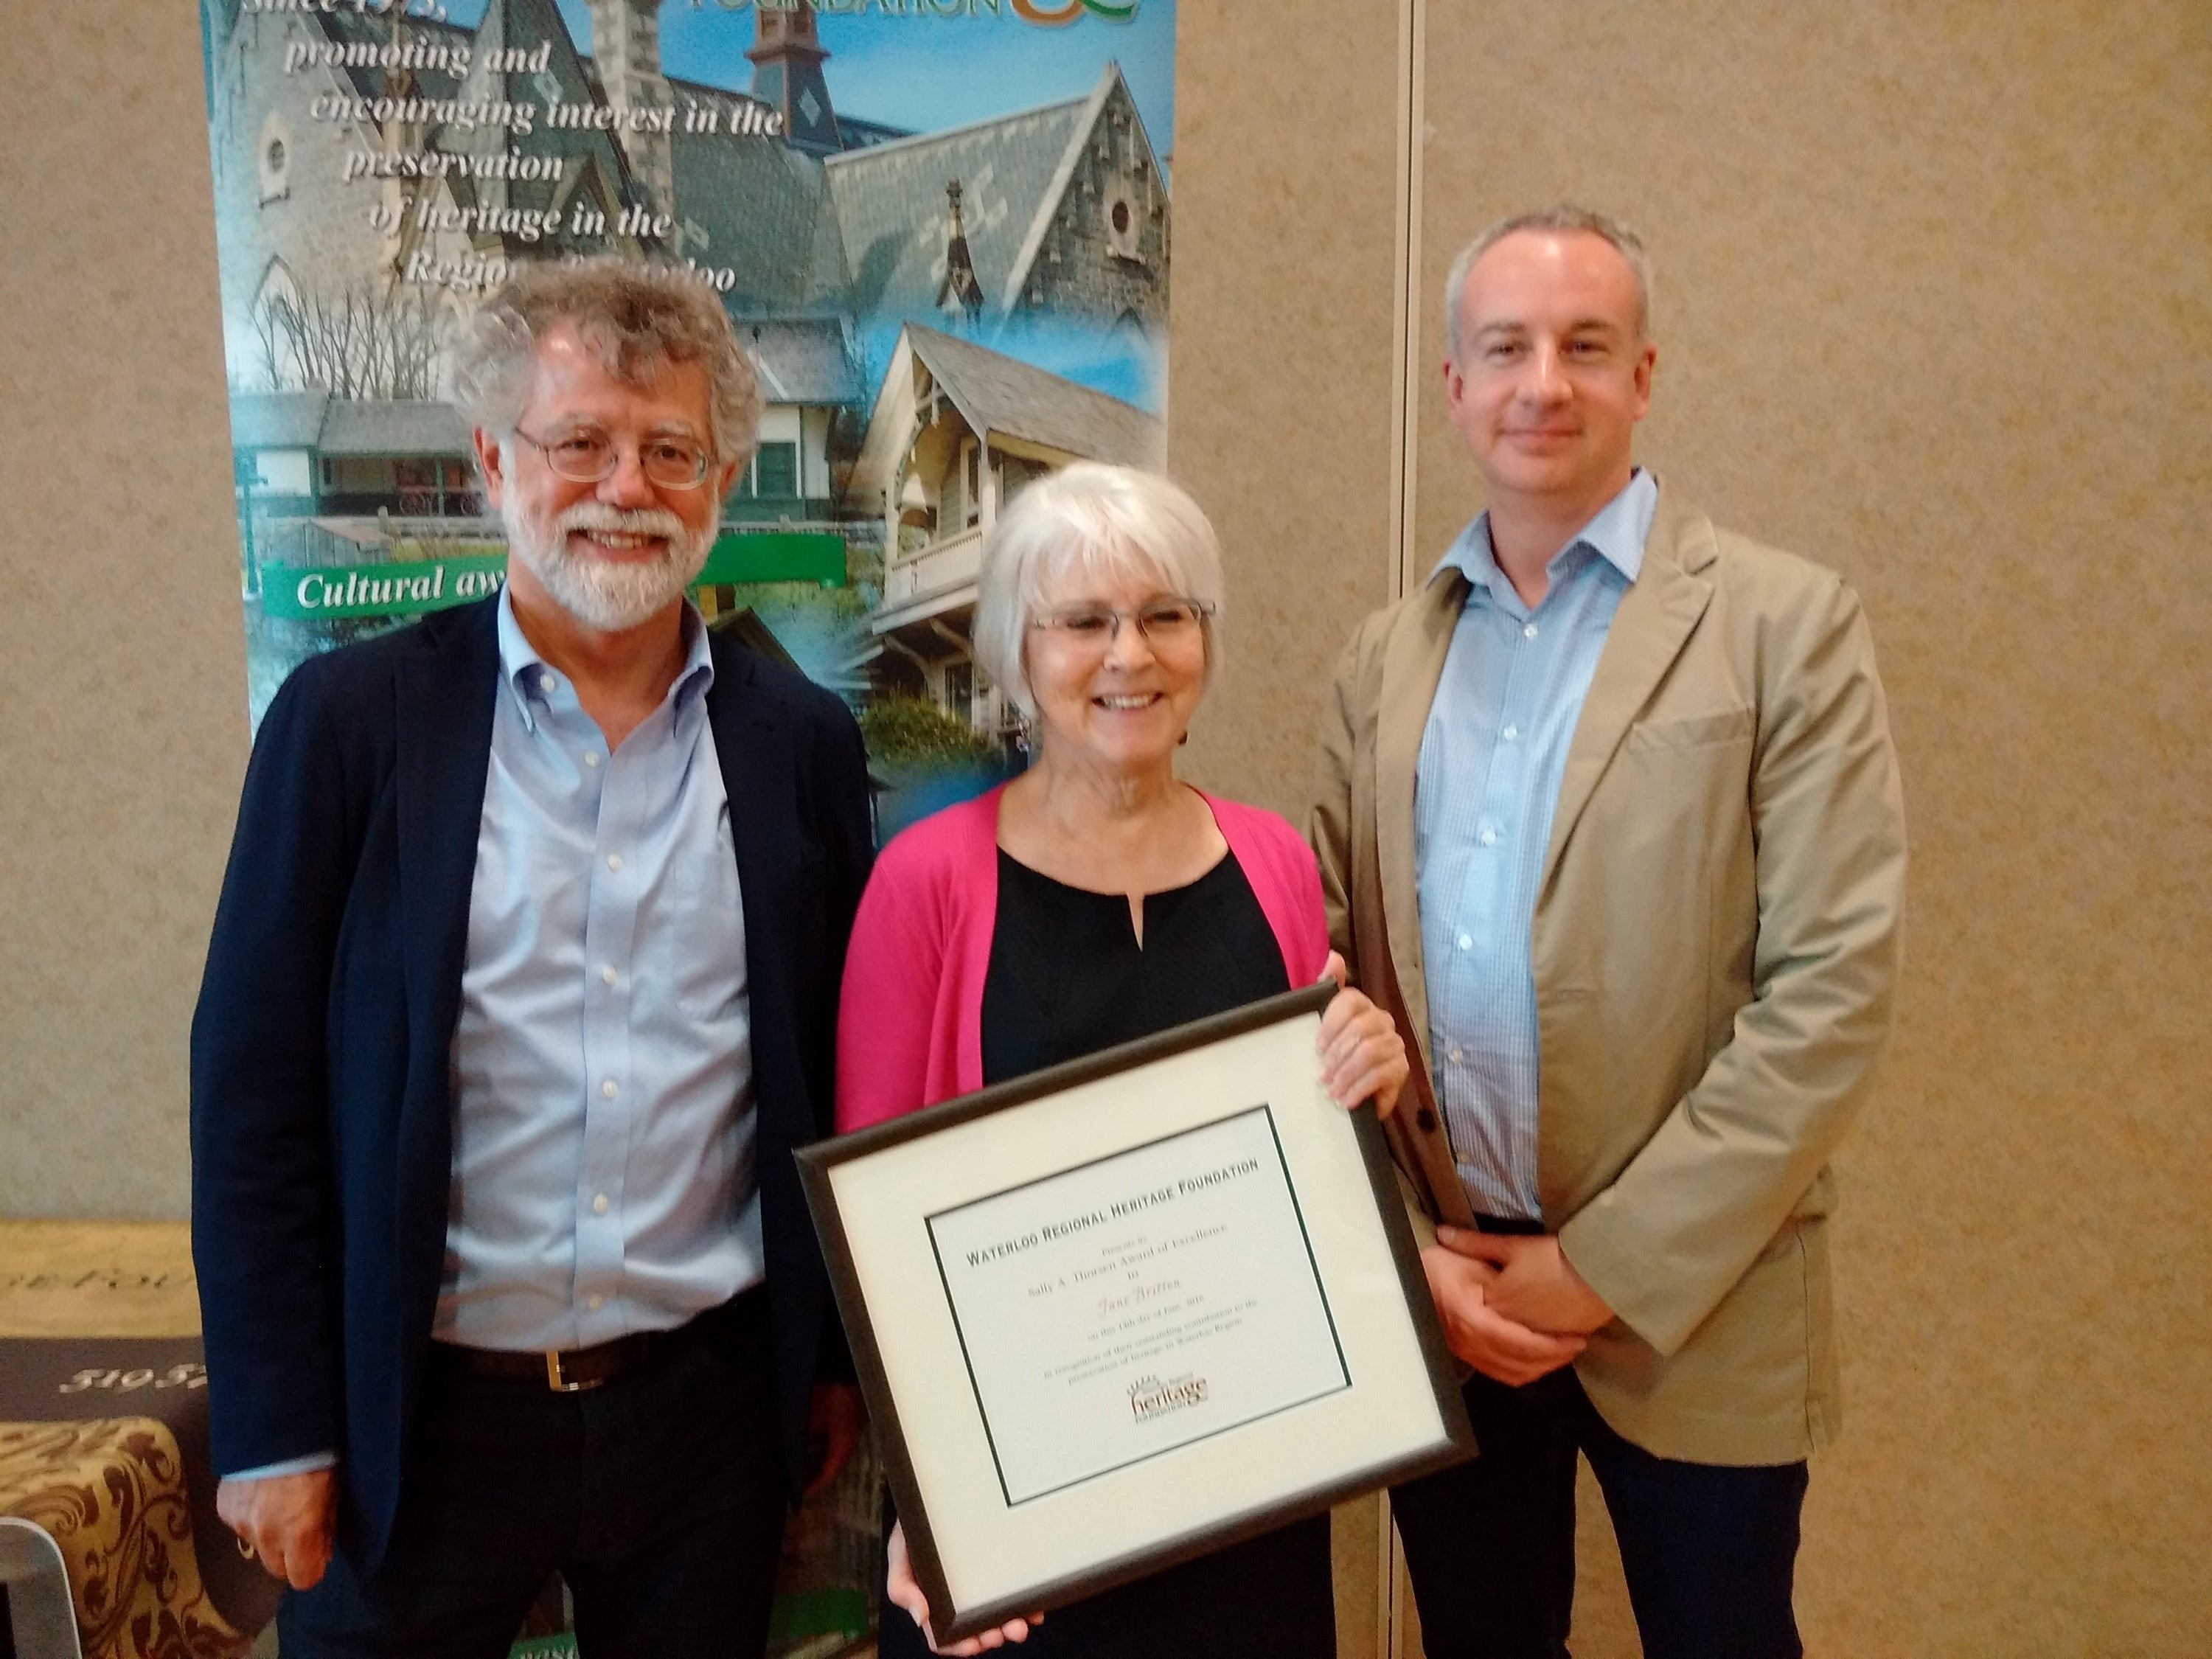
{"points": [[603, 1176], [604, 1137], [1493, 754]]}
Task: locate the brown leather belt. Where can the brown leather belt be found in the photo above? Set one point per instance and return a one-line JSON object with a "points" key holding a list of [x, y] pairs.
{"points": [[568, 1371], [742, 1319]]}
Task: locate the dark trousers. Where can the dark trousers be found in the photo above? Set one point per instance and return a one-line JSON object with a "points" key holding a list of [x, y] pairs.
{"points": [[1709, 1551], [659, 1496]]}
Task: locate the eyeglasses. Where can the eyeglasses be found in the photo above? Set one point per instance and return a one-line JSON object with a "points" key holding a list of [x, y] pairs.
{"points": [[585, 454], [1164, 623]]}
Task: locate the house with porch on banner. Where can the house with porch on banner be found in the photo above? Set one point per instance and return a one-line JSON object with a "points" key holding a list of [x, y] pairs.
{"points": [[958, 429]]}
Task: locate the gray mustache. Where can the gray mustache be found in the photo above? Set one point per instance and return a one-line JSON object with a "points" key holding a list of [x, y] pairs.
{"points": [[629, 521]]}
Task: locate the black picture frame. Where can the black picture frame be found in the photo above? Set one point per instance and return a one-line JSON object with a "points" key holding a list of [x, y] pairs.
{"points": [[1425, 1368]]}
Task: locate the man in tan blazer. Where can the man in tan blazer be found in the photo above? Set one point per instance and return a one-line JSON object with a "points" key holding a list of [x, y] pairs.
{"points": [[1608, 817]]}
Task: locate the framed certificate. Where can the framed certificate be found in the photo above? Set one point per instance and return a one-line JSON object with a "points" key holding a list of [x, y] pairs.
{"points": [[1118, 1312]]}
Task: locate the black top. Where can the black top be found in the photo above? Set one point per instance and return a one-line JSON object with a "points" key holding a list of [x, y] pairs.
{"points": [[1068, 978]]}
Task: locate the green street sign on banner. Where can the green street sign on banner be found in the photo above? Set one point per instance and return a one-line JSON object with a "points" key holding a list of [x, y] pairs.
{"points": [[776, 555], [407, 587]]}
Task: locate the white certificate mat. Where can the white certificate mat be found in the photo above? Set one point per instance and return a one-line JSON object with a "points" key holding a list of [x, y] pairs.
{"points": [[1126, 1310], [1113, 1312]]}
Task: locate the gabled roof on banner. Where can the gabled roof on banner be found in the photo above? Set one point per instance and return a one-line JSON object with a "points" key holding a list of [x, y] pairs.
{"points": [[859, 134], [761, 209], [804, 360], [890, 205], [277, 420], [393, 426], [520, 22], [1007, 398], [345, 426]]}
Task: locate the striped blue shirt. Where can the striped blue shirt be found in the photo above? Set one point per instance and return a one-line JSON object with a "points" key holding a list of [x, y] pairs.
{"points": [[603, 1130], [1492, 757]]}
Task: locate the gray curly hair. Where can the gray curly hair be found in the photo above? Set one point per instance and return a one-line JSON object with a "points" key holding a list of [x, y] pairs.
{"points": [[633, 315]]}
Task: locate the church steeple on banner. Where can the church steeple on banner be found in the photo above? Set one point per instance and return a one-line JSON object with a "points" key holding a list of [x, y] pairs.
{"points": [[787, 73], [941, 227]]}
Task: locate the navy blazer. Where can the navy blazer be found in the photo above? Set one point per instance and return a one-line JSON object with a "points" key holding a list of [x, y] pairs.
{"points": [[322, 1045]]}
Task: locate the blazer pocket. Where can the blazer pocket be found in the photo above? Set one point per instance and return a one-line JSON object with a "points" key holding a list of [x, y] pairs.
{"points": [[1692, 731]]}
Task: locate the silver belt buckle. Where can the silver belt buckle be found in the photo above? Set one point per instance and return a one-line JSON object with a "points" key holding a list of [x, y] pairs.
{"points": [[557, 1380]]}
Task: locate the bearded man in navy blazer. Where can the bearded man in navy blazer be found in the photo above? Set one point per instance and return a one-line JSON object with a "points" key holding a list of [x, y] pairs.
{"points": [[520, 993]]}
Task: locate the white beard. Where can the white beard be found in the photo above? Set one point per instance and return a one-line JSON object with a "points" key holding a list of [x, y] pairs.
{"points": [[599, 593]]}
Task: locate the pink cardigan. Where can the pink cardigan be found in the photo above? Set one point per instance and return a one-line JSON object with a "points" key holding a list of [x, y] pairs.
{"points": [[910, 1022]]}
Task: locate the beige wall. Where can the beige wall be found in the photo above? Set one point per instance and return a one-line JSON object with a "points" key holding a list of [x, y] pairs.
{"points": [[1933, 309], [123, 715], [1279, 420]]}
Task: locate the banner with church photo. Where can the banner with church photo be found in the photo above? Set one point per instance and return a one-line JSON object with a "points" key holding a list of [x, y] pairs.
{"points": [[941, 228]]}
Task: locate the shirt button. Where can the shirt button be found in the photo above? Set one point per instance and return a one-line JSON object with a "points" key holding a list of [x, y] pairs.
{"points": [[594, 1303], [591, 757], [1488, 838], [1510, 732], [1529, 632], [607, 973], [614, 861], [1466, 943], [1454, 1053], [609, 1089], [599, 1204], [546, 683]]}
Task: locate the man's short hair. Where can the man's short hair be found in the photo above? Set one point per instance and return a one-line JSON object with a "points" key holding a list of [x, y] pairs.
{"points": [[1559, 219], [633, 315], [1089, 519]]}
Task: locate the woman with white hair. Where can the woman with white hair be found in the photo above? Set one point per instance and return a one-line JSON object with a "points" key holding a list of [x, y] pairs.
{"points": [[1094, 900]]}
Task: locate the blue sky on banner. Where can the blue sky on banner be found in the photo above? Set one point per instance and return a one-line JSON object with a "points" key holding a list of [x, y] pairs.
{"points": [[927, 72]]}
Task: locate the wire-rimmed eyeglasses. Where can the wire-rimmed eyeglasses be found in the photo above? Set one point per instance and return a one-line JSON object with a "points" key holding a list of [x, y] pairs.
{"points": [[585, 454], [1164, 623]]}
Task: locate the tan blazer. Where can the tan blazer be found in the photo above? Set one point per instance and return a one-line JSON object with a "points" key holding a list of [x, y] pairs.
{"points": [[1715, 942]]}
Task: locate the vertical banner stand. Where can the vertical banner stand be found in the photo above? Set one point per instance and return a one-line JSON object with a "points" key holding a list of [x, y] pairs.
{"points": [[1396, 1635], [1405, 333]]}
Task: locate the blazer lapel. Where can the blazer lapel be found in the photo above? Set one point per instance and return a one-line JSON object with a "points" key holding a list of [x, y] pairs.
{"points": [[749, 749], [753, 750], [1412, 665], [1656, 614]]}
